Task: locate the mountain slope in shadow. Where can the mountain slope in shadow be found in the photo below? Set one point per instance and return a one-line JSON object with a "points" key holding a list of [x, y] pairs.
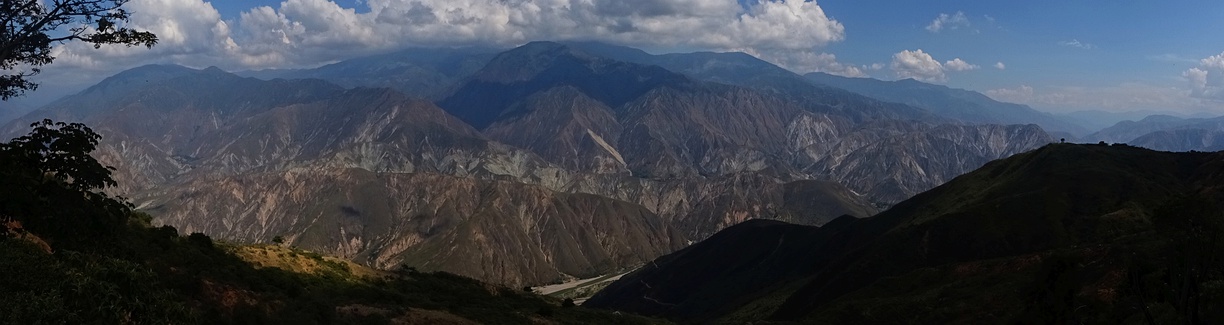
{"points": [[1065, 233]]}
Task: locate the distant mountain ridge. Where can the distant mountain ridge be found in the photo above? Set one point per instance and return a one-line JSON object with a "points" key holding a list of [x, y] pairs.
{"points": [[419, 72], [965, 105], [740, 69], [1164, 132]]}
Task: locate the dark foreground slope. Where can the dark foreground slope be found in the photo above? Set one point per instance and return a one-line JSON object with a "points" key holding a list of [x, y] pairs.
{"points": [[1065, 233], [153, 276]]}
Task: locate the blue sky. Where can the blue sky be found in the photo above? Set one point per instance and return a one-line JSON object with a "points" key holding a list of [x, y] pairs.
{"points": [[1126, 38], [1054, 55]]}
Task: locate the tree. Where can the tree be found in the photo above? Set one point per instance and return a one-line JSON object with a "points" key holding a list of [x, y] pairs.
{"points": [[53, 186], [32, 27]]}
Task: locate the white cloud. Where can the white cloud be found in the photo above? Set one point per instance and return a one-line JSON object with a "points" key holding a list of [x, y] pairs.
{"points": [[1022, 94], [959, 65], [1214, 61], [304, 33], [921, 66], [873, 66], [186, 28], [946, 21], [1000, 66], [312, 32], [1197, 78], [806, 61], [918, 65], [1207, 80], [773, 25], [1077, 44]]}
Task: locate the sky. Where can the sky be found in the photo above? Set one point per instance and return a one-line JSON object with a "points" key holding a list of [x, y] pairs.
{"points": [[1057, 56]]}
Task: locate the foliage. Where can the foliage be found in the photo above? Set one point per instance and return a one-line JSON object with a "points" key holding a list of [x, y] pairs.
{"points": [[32, 27], [52, 184], [76, 288]]}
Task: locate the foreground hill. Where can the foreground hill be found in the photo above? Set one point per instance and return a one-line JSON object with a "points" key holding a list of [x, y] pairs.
{"points": [[1065, 233], [154, 276]]}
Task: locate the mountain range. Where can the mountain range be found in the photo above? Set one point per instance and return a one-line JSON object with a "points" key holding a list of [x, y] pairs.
{"points": [[960, 104], [1168, 133], [533, 165]]}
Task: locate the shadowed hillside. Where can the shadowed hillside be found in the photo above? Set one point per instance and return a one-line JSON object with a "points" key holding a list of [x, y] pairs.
{"points": [[1090, 233]]}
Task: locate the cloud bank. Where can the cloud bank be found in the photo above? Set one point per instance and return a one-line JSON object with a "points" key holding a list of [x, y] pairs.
{"points": [[303, 33]]}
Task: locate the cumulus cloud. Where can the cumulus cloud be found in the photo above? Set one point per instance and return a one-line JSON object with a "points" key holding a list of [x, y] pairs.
{"points": [[805, 61], [959, 65], [1207, 80], [1213, 62], [298, 33], [946, 21], [1197, 78], [921, 66], [917, 65], [1077, 44], [1000, 66]]}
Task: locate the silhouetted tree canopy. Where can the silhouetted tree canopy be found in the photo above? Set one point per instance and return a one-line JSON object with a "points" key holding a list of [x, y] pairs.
{"points": [[53, 186], [32, 27]]}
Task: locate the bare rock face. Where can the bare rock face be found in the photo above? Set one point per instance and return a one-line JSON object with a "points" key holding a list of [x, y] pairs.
{"points": [[548, 163], [505, 232], [664, 125], [565, 127], [895, 167]]}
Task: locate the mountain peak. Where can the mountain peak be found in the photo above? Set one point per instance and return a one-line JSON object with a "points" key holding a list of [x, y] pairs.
{"points": [[525, 62], [151, 73]]}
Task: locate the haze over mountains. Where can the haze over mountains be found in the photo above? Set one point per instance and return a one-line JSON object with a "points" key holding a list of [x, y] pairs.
{"points": [[1169, 133], [529, 166], [964, 105]]}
